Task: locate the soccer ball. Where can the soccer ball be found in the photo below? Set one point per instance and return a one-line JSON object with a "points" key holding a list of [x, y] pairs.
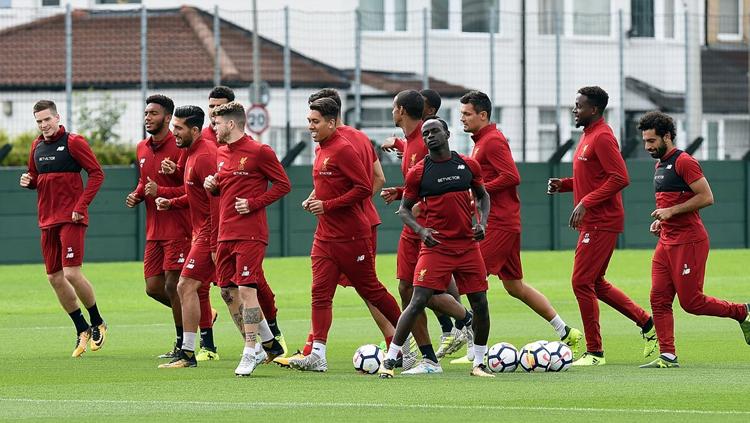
{"points": [[502, 358], [560, 356], [534, 357], [367, 359]]}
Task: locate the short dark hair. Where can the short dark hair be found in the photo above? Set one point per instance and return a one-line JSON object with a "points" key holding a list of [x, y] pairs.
{"points": [[326, 93], [45, 105], [660, 122], [163, 101], [597, 97], [327, 107], [479, 100], [231, 111], [412, 101], [439, 119], [431, 98], [193, 115], [222, 91]]}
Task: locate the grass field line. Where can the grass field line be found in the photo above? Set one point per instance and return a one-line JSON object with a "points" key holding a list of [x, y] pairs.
{"points": [[292, 404]]}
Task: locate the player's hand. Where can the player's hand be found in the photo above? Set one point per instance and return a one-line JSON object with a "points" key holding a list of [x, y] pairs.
{"points": [[662, 214], [132, 200], [162, 203], [315, 207], [389, 195], [416, 210], [25, 180], [478, 232], [241, 205], [655, 227], [306, 203], [210, 184], [427, 238], [576, 218], [77, 217], [150, 187], [168, 166], [389, 145], [553, 185]]}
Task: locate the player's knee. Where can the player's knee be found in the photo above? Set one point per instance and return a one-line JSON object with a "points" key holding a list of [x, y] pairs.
{"points": [[479, 305], [73, 274], [692, 305], [227, 295], [514, 288], [56, 279]]}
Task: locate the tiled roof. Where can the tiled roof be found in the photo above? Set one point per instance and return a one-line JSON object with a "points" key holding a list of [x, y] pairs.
{"points": [[394, 82]]}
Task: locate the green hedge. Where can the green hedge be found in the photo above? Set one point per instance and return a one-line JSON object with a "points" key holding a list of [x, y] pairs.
{"points": [[106, 153]]}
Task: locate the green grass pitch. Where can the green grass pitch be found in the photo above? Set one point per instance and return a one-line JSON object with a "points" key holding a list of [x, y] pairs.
{"points": [[40, 382]]}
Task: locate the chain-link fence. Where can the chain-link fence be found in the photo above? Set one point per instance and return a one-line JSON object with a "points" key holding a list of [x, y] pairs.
{"points": [[530, 57]]}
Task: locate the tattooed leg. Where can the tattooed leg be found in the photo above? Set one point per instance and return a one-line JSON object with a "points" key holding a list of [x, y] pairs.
{"points": [[230, 295], [251, 314]]}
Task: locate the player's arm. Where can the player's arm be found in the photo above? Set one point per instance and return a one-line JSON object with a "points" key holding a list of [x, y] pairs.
{"points": [[555, 185], [180, 202], [500, 158], [272, 169], [608, 153], [689, 170], [351, 167], [28, 179], [82, 153], [481, 196], [409, 200], [378, 177]]}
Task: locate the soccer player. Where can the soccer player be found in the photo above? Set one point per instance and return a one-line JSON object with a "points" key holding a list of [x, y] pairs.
{"points": [[432, 103], [167, 232], [199, 269], [245, 168], [599, 176], [501, 246], [679, 262], [366, 153], [342, 241], [54, 171], [443, 182]]}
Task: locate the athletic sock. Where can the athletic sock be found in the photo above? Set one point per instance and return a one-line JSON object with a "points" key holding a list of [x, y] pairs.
{"points": [[428, 352], [319, 349], [94, 316], [248, 351], [479, 352], [274, 326], [207, 339], [178, 340], [599, 354], [648, 325], [559, 325], [393, 351], [668, 356], [264, 331], [388, 340], [308, 345], [188, 341], [78, 320], [446, 324], [460, 323]]}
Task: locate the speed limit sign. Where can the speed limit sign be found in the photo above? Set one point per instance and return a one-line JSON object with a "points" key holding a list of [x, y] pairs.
{"points": [[257, 119]]}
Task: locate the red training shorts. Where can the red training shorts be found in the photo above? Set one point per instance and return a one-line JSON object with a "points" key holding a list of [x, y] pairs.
{"points": [[62, 246], [199, 265], [239, 262], [406, 259], [501, 251], [164, 256], [434, 270], [343, 281]]}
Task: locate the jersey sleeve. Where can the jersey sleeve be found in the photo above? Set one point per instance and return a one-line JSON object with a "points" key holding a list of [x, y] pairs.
{"points": [[498, 154], [412, 181], [608, 153], [688, 168], [82, 153], [353, 169], [476, 171], [270, 166], [32, 166]]}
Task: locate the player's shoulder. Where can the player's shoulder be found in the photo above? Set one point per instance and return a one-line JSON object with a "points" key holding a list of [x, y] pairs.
{"points": [[77, 141], [686, 161]]}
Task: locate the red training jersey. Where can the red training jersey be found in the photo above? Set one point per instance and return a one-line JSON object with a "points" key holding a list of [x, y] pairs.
{"points": [[414, 152], [445, 188], [209, 134], [674, 174], [362, 145], [501, 178], [168, 224], [55, 168], [246, 166], [599, 176], [342, 184]]}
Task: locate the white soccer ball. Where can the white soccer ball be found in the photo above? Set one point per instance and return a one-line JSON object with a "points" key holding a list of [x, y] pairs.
{"points": [[502, 358], [534, 357], [367, 359], [560, 356]]}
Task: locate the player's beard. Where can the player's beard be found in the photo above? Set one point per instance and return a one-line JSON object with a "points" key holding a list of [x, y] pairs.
{"points": [[157, 128]]}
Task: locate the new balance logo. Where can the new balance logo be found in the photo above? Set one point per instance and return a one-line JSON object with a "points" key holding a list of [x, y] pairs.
{"points": [[245, 272], [361, 258], [685, 270], [586, 239], [70, 254], [191, 264], [181, 259], [61, 148], [461, 167], [669, 166], [142, 161]]}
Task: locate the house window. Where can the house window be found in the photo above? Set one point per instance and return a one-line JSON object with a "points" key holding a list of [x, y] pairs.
{"points": [[547, 134], [729, 18], [376, 117], [50, 3], [712, 139], [497, 115], [735, 138], [440, 14], [4, 4], [549, 12], [668, 18], [8, 108], [372, 14], [641, 18], [475, 15], [118, 1], [400, 15], [591, 17]]}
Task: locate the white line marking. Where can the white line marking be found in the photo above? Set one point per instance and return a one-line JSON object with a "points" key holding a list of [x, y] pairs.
{"points": [[251, 405]]}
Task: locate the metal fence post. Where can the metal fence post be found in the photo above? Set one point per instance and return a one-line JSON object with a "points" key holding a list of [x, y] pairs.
{"points": [[357, 68], [69, 67], [425, 49], [688, 95], [144, 60], [558, 76], [493, 25], [256, 56], [621, 47], [217, 46], [283, 206]]}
